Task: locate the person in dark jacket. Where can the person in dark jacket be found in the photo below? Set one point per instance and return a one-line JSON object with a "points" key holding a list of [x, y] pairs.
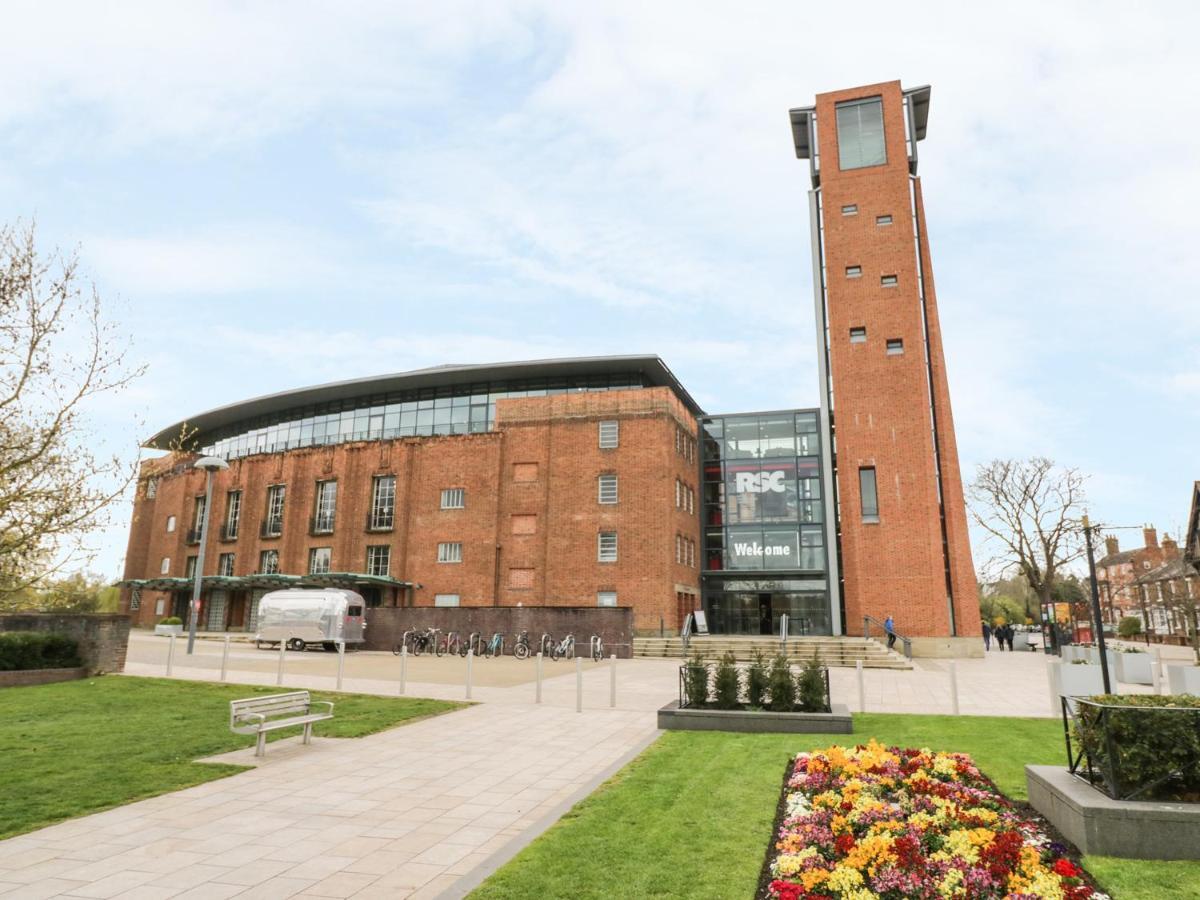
{"points": [[987, 636]]}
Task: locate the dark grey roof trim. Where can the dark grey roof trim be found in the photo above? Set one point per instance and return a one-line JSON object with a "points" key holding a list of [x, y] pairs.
{"points": [[652, 368]]}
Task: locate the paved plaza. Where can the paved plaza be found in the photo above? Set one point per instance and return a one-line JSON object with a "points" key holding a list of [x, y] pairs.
{"points": [[424, 810]]}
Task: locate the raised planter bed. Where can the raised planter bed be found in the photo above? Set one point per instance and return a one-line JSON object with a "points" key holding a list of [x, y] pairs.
{"points": [[28, 677], [1134, 668], [756, 721], [1184, 679], [168, 629], [1075, 680], [1098, 824]]}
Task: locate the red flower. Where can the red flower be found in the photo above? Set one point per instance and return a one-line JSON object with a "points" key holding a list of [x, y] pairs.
{"points": [[844, 844], [1067, 869], [786, 890]]}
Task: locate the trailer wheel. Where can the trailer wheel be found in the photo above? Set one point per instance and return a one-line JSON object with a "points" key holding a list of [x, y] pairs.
{"points": [[295, 644]]}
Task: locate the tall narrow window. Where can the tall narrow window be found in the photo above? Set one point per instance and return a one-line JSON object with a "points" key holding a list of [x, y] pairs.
{"points": [[225, 565], [273, 523], [383, 503], [379, 560], [166, 565], [610, 433], [233, 515], [450, 552], [198, 516], [607, 485], [454, 498], [319, 560], [189, 567], [268, 562], [326, 507], [860, 133], [868, 494], [606, 549], [170, 524]]}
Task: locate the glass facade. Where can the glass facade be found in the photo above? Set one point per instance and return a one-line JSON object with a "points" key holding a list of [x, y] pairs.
{"points": [[764, 524], [453, 409]]}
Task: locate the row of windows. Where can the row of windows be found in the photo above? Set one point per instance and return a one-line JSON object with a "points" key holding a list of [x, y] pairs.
{"points": [[884, 280], [895, 346], [685, 444], [851, 209], [603, 598], [685, 497], [685, 551]]}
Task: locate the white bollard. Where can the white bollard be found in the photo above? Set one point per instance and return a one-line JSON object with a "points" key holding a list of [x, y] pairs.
{"points": [[612, 681], [170, 654], [953, 687], [403, 667], [1156, 672], [225, 657], [470, 660], [279, 674], [862, 688], [538, 695], [579, 684], [341, 662]]}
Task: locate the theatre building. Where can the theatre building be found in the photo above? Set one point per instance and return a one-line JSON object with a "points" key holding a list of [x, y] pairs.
{"points": [[600, 482]]}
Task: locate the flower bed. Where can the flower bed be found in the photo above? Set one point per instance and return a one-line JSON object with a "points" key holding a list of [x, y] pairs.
{"points": [[884, 822]]}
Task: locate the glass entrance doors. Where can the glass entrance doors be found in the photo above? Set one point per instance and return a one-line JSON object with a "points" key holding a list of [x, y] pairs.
{"points": [[755, 607]]}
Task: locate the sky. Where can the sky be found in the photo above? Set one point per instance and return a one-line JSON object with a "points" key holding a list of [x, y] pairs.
{"points": [[273, 195]]}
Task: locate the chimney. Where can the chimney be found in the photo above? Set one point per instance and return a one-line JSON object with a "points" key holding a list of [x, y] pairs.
{"points": [[1111, 547], [1151, 537]]}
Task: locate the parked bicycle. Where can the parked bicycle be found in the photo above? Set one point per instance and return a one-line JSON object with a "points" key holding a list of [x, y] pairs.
{"points": [[564, 649], [521, 649], [495, 647], [452, 645], [597, 648], [474, 643]]}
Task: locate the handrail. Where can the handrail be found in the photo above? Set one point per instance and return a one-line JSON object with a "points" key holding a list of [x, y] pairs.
{"points": [[868, 621]]}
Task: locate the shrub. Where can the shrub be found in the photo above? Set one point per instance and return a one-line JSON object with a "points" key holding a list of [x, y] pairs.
{"points": [[1145, 742], [22, 650], [810, 686], [756, 680], [726, 683], [780, 687], [171, 620], [695, 681], [1130, 626]]}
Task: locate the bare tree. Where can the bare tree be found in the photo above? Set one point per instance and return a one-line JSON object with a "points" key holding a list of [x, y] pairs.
{"points": [[57, 355], [1030, 510]]}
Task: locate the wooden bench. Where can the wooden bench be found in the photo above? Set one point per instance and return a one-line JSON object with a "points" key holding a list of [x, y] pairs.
{"points": [[258, 715]]}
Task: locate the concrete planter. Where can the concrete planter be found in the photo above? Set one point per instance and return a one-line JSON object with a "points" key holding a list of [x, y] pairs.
{"points": [[1183, 679], [1071, 652], [1071, 680], [1125, 828], [28, 677], [1021, 641], [1093, 656], [168, 629], [1134, 668], [672, 718]]}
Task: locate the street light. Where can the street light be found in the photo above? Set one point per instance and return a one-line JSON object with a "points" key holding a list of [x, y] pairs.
{"points": [[209, 464], [1097, 622]]}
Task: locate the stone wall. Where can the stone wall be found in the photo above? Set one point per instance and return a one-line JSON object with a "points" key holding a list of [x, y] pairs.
{"points": [[103, 638], [386, 625]]}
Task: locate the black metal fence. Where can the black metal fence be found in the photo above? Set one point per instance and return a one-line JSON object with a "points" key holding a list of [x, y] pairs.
{"points": [[688, 693], [1135, 752]]}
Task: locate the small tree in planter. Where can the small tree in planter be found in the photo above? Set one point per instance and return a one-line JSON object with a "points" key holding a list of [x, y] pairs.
{"points": [[756, 680], [810, 686], [695, 682], [1129, 627], [726, 683], [780, 686]]}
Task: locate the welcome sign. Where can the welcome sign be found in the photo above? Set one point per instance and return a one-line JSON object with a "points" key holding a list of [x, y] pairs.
{"points": [[773, 549]]}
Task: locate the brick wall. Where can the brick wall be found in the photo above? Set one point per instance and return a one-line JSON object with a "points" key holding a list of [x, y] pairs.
{"points": [[386, 626], [102, 638]]}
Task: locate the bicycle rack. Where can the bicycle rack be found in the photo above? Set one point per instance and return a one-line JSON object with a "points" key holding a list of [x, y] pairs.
{"points": [[473, 642], [596, 647], [404, 639], [546, 645]]}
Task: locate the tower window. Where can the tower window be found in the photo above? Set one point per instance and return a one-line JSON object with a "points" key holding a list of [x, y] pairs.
{"points": [[858, 335], [883, 220], [888, 280], [853, 271], [895, 347], [868, 495], [850, 209], [860, 133]]}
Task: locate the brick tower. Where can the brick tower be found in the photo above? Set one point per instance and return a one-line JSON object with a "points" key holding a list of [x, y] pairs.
{"points": [[885, 402]]}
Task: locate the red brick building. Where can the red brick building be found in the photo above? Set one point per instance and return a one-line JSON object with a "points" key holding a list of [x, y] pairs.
{"points": [[1117, 573], [904, 549], [585, 482]]}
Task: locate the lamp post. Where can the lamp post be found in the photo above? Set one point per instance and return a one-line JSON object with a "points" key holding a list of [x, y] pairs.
{"points": [[209, 464], [1097, 622]]}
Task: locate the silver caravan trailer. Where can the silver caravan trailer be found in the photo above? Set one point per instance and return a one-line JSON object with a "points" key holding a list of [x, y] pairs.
{"points": [[299, 617]]}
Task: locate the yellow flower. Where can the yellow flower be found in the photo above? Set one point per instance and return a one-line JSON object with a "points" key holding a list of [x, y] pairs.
{"points": [[844, 879], [813, 878], [949, 885]]}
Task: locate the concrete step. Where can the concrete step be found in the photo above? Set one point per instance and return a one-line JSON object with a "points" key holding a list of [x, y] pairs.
{"points": [[834, 651]]}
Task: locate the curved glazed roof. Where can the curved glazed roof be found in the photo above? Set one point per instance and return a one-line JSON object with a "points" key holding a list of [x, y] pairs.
{"points": [[652, 368]]}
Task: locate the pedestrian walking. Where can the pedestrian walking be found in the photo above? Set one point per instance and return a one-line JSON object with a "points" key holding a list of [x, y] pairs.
{"points": [[987, 636], [1000, 637], [890, 627]]}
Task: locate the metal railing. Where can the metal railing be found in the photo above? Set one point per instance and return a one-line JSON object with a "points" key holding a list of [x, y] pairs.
{"points": [[271, 528], [193, 535], [1133, 752], [228, 533], [906, 641]]}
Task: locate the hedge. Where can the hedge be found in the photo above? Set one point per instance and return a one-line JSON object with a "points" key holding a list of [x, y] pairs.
{"points": [[20, 650]]}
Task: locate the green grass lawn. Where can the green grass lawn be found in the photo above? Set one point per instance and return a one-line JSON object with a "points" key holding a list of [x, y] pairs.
{"points": [[82, 746], [692, 816]]}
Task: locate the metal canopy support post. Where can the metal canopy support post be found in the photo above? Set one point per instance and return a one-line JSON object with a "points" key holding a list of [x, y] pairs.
{"points": [[1097, 622]]}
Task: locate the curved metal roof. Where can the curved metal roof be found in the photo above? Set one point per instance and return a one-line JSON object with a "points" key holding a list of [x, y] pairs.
{"points": [[651, 368]]}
